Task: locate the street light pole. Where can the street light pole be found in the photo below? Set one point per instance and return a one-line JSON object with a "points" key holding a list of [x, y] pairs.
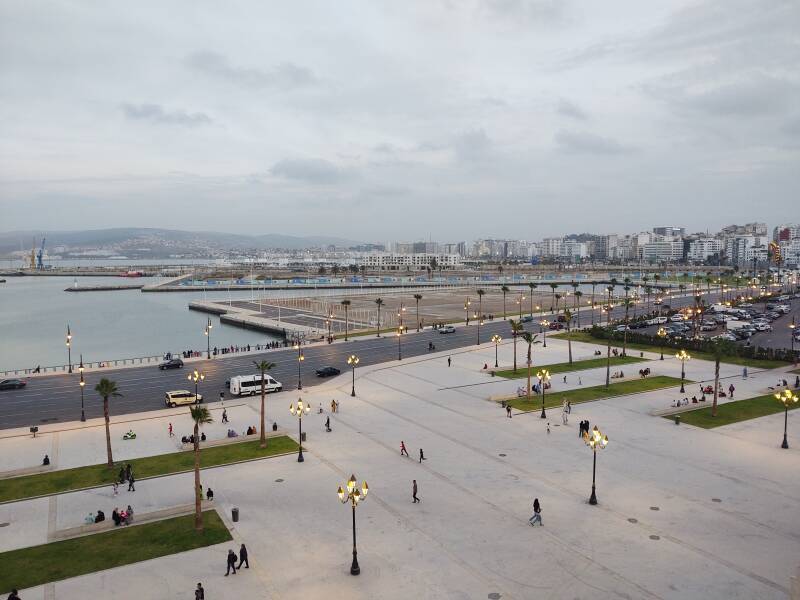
{"points": [[299, 411], [467, 304], [300, 359], [683, 356], [787, 397], [479, 319], [544, 377], [82, 384], [353, 361], [594, 439], [543, 325], [69, 350], [496, 339], [661, 333], [353, 495], [209, 326], [792, 327], [196, 376]]}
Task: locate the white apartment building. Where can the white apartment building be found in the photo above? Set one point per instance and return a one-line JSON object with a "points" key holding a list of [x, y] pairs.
{"points": [[737, 248], [666, 251], [386, 261], [551, 246], [574, 250], [703, 248], [790, 252]]}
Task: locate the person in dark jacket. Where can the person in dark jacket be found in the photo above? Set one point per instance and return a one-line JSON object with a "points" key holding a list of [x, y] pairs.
{"points": [[199, 593], [243, 558], [131, 481], [14, 595], [231, 563]]}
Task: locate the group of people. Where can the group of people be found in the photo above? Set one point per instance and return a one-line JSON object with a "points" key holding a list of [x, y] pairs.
{"points": [[404, 452], [124, 516], [189, 439], [583, 428], [617, 375], [126, 474], [98, 518], [232, 566]]}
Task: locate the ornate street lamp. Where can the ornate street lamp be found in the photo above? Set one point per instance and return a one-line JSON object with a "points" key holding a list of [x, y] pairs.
{"points": [[69, 350], [683, 356], [543, 376], [299, 411], [594, 439], [467, 304], [543, 325], [300, 358], [662, 333], [496, 339], [787, 397], [196, 376], [352, 360], [792, 327], [82, 383], [353, 495], [207, 333]]}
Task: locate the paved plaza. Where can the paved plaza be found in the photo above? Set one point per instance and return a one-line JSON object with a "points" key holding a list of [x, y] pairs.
{"points": [[683, 512]]}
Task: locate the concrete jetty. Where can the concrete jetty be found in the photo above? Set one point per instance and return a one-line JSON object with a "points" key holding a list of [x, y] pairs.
{"points": [[251, 319]]}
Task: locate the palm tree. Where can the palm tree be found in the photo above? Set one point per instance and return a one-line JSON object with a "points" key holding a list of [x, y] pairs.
{"points": [[719, 349], [568, 321], [578, 296], [263, 366], [346, 304], [200, 416], [418, 297], [530, 339], [505, 290], [558, 297], [593, 286], [480, 293], [553, 286], [107, 389], [379, 303], [532, 287], [516, 329], [610, 290]]}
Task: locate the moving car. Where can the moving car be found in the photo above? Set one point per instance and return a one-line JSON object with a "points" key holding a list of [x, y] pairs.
{"points": [[180, 397], [327, 371], [447, 329], [250, 385], [657, 321], [677, 318], [173, 363], [12, 384], [526, 319], [556, 326]]}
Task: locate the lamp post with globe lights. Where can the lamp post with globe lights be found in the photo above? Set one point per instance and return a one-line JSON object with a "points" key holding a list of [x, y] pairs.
{"points": [[354, 495], [544, 377], [300, 410], [787, 398], [496, 339], [353, 360], [82, 383], [594, 439], [662, 334], [683, 356]]}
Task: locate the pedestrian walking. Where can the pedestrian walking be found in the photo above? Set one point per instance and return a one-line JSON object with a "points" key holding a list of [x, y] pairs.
{"points": [[548, 428], [579, 381], [403, 448], [14, 595], [744, 372], [224, 415], [128, 472], [209, 494], [328, 424], [199, 592], [421, 455], [569, 406], [333, 406], [131, 481], [731, 389], [115, 489], [171, 434], [231, 563], [564, 414], [508, 410], [414, 491], [448, 361], [580, 428], [243, 558], [537, 514], [121, 474], [565, 379]]}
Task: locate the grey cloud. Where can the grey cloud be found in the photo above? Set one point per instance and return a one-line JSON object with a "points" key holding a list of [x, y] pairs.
{"points": [[283, 76], [568, 109], [472, 145], [572, 142], [528, 10], [309, 170], [155, 113]]}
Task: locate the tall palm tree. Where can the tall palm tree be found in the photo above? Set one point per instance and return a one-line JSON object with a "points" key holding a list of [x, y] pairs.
{"points": [[379, 303], [532, 287], [553, 286], [107, 389], [568, 322], [505, 290], [530, 339], [558, 298], [627, 303], [578, 296], [263, 366], [480, 293], [719, 349], [200, 416], [610, 290], [516, 329], [418, 297], [593, 286], [346, 304]]}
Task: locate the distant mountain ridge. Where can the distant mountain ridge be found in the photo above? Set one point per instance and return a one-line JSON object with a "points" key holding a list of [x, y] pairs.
{"points": [[11, 240]]}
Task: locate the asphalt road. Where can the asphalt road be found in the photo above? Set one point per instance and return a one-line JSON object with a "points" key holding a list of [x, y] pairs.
{"points": [[57, 398]]}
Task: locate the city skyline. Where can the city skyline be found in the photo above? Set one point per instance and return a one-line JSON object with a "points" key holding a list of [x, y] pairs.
{"points": [[519, 119]]}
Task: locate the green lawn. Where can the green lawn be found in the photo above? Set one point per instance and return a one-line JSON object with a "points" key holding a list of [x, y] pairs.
{"points": [[583, 336], [163, 464], [29, 567], [578, 365], [595, 392], [733, 412]]}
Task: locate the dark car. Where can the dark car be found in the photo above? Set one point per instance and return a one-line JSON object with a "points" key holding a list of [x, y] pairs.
{"points": [[526, 319], [556, 326], [173, 363], [327, 372], [12, 384]]}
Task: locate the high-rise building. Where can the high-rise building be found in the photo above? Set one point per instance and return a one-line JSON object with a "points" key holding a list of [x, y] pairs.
{"points": [[670, 231]]}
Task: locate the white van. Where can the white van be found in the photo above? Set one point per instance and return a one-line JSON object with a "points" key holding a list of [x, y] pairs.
{"points": [[249, 385]]}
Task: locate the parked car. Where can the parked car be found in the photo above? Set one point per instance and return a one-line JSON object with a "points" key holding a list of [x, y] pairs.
{"points": [[677, 318], [447, 329], [620, 328], [763, 327], [657, 321], [327, 371], [556, 326], [12, 384], [708, 327], [526, 319], [724, 336], [173, 363], [179, 397]]}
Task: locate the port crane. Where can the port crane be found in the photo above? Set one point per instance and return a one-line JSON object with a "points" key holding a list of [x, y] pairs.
{"points": [[39, 255]]}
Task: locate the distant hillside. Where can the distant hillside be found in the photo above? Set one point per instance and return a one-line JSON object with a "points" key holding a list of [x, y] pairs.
{"points": [[125, 236]]}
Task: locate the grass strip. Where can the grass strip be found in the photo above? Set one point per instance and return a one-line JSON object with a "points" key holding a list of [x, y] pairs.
{"points": [[583, 336], [37, 565], [733, 412], [65, 480], [565, 367], [595, 392]]}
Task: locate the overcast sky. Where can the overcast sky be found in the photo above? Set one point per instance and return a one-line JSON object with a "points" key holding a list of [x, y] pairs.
{"points": [[399, 120]]}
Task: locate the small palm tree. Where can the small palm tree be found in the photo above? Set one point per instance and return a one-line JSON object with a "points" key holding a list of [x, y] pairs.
{"points": [[530, 339], [505, 289], [516, 329], [610, 290], [418, 297], [480, 293], [200, 416], [263, 366], [558, 298], [627, 304], [553, 286], [346, 304], [568, 321], [532, 287], [578, 296], [107, 389], [379, 303], [719, 349]]}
